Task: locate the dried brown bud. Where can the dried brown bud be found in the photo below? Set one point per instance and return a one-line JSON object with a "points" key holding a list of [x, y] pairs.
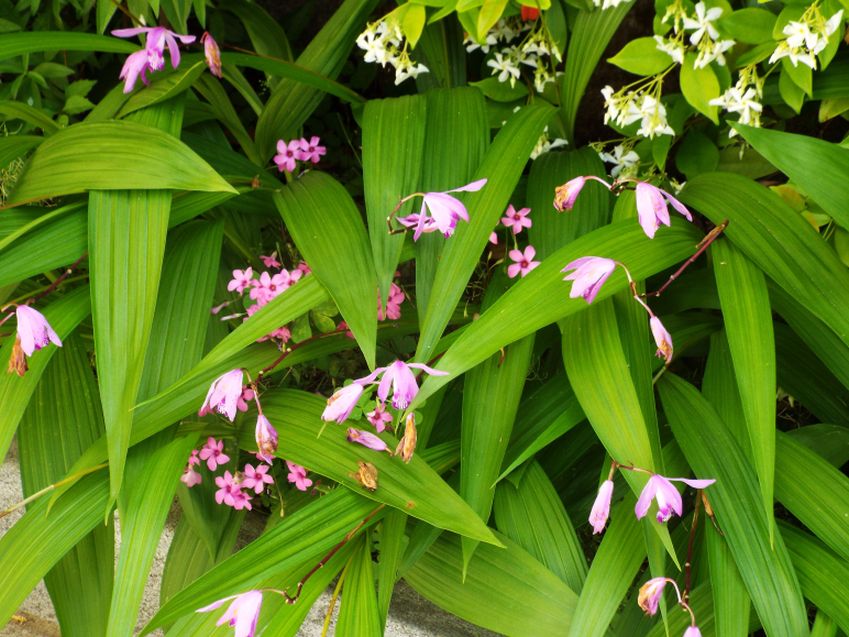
{"points": [[407, 445], [18, 360], [366, 475]]}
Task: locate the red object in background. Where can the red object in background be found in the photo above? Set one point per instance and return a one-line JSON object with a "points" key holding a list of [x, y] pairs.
{"points": [[529, 13]]}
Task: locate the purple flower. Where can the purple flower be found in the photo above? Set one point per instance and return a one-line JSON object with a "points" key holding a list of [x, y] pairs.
{"points": [[366, 439], [213, 453], [692, 631], [589, 275], [662, 339], [266, 439], [667, 496], [342, 402], [34, 331], [256, 479], [601, 506], [310, 150], [212, 54], [652, 208], [242, 613], [523, 262], [516, 219], [566, 194], [224, 395], [650, 594], [400, 377], [287, 155], [136, 64], [155, 42], [440, 211], [298, 476]]}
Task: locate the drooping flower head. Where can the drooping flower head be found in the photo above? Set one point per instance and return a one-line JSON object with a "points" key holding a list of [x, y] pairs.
{"points": [[212, 54], [266, 439], [601, 507], [566, 194], [342, 402], [652, 209], [523, 262], [34, 332], [242, 614], [399, 376], [662, 339], [589, 275], [668, 499], [440, 211], [224, 395], [650, 594], [135, 65], [366, 439], [191, 477], [407, 445], [692, 631]]}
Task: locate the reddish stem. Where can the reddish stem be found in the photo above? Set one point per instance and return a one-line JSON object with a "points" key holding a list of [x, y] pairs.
{"points": [[703, 245]]}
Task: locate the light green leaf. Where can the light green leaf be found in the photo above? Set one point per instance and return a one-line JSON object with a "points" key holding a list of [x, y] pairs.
{"points": [[699, 87], [641, 57], [730, 601], [490, 13], [10, 110], [15, 146], [358, 614], [750, 25]]}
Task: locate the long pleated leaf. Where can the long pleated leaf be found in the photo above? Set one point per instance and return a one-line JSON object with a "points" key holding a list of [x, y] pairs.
{"points": [[731, 605], [358, 614], [15, 146], [505, 589], [15, 44], [747, 316], [119, 155], [713, 453], [329, 232], [502, 168], [542, 297], [777, 240]]}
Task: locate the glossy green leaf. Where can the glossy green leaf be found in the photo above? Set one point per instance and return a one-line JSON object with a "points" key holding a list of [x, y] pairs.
{"points": [[15, 44], [699, 87], [712, 452], [358, 614], [502, 167], [747, 315], [328, 231], [164, 87], [10, 110], [830, 442], [731, 603], [15, 146], [641, 57], [777, 240], [531, 514], [505, 589], [120, 155]]}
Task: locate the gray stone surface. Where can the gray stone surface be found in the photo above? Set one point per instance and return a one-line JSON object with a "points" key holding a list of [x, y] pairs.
{"points": [[410, 614]]}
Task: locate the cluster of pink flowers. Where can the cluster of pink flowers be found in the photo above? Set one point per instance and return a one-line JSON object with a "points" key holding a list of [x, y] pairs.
{"points": [[33, 333], [440, 212], [152, 56], [392, 309], [303, 149], [523, 260]]}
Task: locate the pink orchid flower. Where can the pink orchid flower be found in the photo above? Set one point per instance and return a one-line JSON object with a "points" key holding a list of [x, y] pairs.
{"points": [[342, 402], [256, 479], [213, 453], [440, 211], [601, 507], [212, 54], [692, 631], [668, 499], [400, 377], [650, 594], [34, 331], [155, 42], [516, 220], [298, 476], [366, 439], [135, 65], [523, 262], [310, 150], [243, 612], [662, 339], [266, 439], [224, 395], [287, 155], [589, 275], [652, 208], [566, 194]]}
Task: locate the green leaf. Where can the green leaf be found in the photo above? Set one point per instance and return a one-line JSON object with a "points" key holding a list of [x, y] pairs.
{"points": [[641, 57], [699, 87], [500, 91], [15, 146], [490, 13], [790, 92], [63, 314], [532, 515], [505, 589], [747, 315], [801, 75], [358, 614], [777, 240], [62, 419], [119, 155], [591, 33], [713, 452], [750, 26], [502, 168], [328, 231], [393, 141], [730, 601], [267, 35], [20, 110], [165, 86]]}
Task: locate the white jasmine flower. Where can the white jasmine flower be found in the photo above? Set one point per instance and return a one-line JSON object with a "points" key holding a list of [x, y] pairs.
{"points": [[653, 115], [471, 45], [624, 160], [505, 67], [710, 51], [703, 23], [673, 48]]}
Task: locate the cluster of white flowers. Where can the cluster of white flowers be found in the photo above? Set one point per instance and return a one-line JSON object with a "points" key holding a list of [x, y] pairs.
{"points": [[807, 37], [704, 37], [627, 107], [744, 98], [536, 51], [383, 43], [626, 162], [545, 144], [607, 4]]}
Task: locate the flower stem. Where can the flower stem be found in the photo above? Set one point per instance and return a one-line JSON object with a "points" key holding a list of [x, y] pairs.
{"points": [[703, 245]]}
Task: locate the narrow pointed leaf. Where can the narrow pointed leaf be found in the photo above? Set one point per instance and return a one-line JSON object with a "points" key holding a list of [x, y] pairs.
{"points": [[731, 603], [15, 44], [358, 614]]}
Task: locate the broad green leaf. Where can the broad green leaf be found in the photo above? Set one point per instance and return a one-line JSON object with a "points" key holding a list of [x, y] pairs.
{"points": [[792, 94], [641, 57], [328, 231], [612, 570], [490, 13], [298, 415], [505, 589], [590, 35], [291, 103], [10, 110], [63, 314], [393, 141], [215, 95], [747, 316], [502, 167], [542, 297], [731, 605], [119, 155], [830, 442], [814, 492], [712, 452], [699, 87], [267, 35], [816, 166], [358, 614], [553, 230], [824, 626], [442, 51], [164, 87], [62, 419], [822, 574], [491, 394], [750, 25], [777, 240], [15, 146], [531, 514]]}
